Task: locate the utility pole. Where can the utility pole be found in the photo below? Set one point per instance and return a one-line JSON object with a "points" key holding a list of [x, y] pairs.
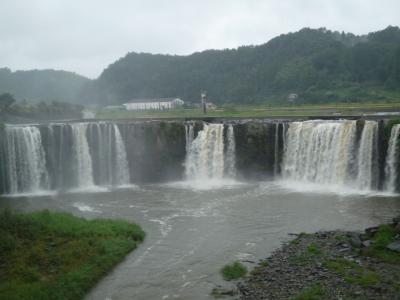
{"points": [[204, 102]]}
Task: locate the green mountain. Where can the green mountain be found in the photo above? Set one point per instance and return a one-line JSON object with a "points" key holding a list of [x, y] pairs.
{"points": [[317, 64], [42, 85]]}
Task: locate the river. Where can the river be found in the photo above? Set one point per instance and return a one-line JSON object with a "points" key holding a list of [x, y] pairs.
{"points": [[193, 231]]}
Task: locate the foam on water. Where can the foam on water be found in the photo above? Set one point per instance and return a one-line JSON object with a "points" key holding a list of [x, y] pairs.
{"points": [[88, 189], [206, 184], [297, 186], [38, 193], [84, 207]]}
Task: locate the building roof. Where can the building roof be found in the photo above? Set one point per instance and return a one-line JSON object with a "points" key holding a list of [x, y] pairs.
{"points": [[149, 100]]}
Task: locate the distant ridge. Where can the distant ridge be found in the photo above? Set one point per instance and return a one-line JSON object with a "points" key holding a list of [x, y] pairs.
{"points": [[42, 85], [318, 65]]}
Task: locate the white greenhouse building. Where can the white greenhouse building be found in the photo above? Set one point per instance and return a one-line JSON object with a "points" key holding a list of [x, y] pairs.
{"points": [[154, 104]]}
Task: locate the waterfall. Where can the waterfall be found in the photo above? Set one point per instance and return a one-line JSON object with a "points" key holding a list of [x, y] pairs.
{"points": [[367, 157], [276, 150], [121, 167], [189, 135], [82, 158], [62, 156], [25, 160], [230, 155], [206, 158], [392, 160], [326, 152], [108, 154]]}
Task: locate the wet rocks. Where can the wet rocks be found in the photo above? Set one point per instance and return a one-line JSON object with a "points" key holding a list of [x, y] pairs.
{"points": [[395, 246], [354, 239]]}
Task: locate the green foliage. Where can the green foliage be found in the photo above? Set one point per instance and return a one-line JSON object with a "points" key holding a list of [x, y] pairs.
{"points": [[233, 271], [341, 265], [58, 256], [315, 292], [44, 110], [314, 249], [385, 235], [6, 100], [317, 64]]}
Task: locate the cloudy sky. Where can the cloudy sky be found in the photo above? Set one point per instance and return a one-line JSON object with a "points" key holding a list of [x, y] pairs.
{"points": [[85, 36]]}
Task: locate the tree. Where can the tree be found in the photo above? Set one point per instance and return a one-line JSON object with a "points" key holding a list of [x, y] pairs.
{"points": [[6, 100]]}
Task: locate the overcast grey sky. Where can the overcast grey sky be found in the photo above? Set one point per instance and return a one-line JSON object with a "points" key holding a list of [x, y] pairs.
{"points": [[85, 36]]}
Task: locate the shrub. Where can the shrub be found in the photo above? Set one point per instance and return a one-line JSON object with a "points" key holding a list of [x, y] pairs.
{"points": [[234, 271]]}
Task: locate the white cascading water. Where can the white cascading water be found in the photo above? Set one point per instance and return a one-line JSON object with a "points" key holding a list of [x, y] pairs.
{"points": [[110, 156], [367, 159], [189, 134], [392, 160], [206, 158], [276, 150], [121, 168], [325, 152], [25, 160], [83, 160], [230, 155]]}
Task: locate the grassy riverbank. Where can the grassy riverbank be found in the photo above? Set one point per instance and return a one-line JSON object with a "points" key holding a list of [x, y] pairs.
{"points": [[248, 111], [47, 255]]}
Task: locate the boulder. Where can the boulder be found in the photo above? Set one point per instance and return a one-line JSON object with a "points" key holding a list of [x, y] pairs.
{"points": [[367, 243], [397, 228], [372, 230], [394, 246], [354, 239]]}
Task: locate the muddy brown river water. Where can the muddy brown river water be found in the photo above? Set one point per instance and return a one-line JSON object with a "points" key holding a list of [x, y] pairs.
{"points": [[193, 230]]}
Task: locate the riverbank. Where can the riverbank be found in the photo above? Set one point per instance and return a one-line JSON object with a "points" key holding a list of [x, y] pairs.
{"points": [[331, 265], [49, 255]]}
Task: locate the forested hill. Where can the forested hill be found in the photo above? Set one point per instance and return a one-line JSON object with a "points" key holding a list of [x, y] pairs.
{"points": [[317, 64], [42, 85]]}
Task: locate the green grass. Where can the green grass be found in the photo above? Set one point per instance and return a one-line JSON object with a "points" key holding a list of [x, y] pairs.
{"points": [[257, 269], [314, 292], [233, 271], [260, 111], [47, 255], [301, 259], [385, 235], [314, 249], [352, 272]]}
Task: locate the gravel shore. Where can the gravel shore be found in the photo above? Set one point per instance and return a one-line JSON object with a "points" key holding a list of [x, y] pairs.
{"points": [[330, 265]]}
